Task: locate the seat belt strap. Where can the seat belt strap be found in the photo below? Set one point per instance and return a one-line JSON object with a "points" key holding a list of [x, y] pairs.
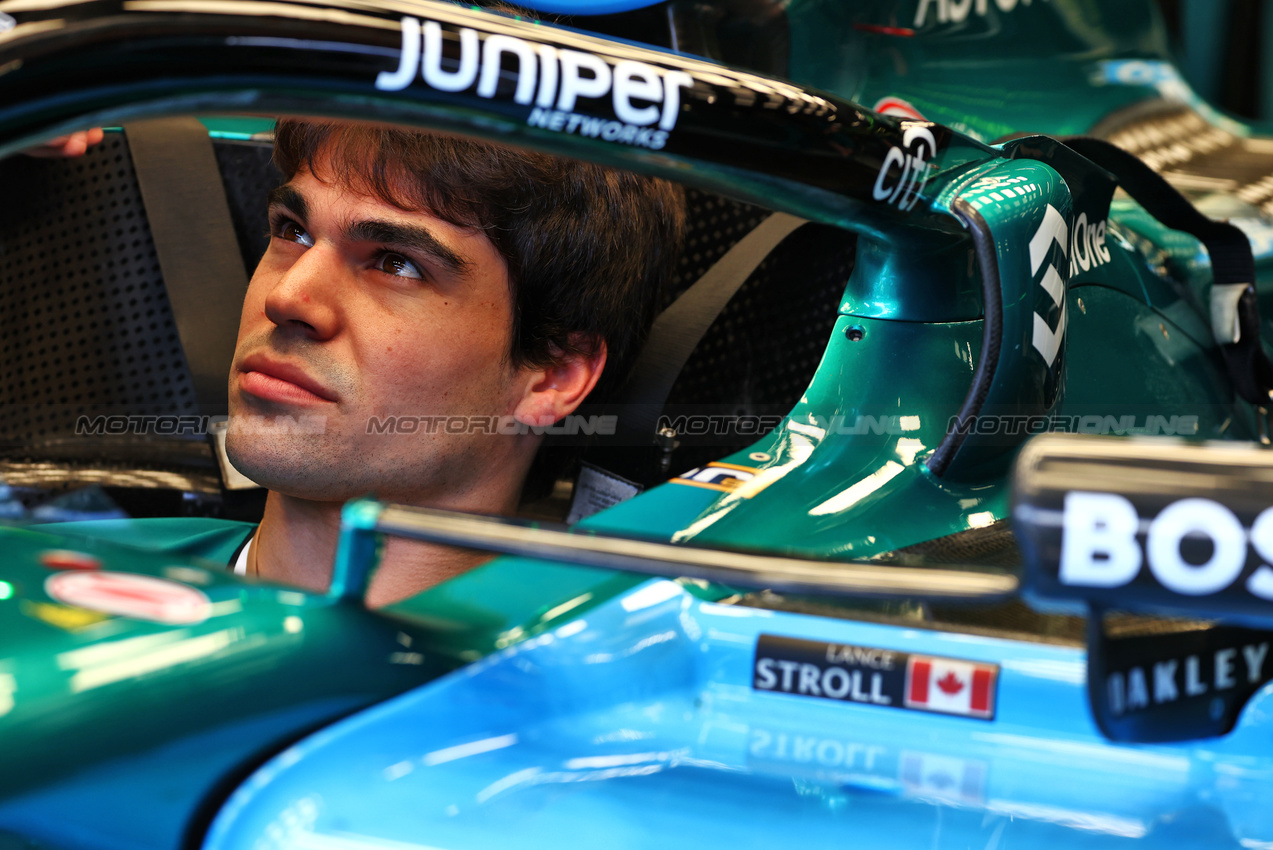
{"points": [[198, 253], [1235, 318], [680, 327]]}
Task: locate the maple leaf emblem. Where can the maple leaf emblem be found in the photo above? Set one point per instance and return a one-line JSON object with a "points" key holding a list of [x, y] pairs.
{"points": [[941, 780], [950, 684]]}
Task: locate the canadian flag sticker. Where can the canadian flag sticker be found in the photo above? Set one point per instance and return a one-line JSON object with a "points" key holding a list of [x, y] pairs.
{"points": [[950, 686]]}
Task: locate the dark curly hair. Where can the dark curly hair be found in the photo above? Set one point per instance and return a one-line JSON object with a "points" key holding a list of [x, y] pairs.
{"points": [[589, 249]]}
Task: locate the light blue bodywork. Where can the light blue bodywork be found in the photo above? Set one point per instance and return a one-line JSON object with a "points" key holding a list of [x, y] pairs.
{"points": [[638, 727]]}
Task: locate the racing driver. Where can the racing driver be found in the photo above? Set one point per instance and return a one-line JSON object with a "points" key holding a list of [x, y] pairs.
{"points": [[412, 280], [425, 306]]}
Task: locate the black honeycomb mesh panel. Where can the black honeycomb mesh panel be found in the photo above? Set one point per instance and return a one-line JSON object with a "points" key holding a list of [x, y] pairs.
{"points": [[713, 226], [249, 173], [87, 326], [758, 356], [992, 545]]}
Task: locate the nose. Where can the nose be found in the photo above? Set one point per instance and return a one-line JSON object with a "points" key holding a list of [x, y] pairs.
{"points": [[303, 295]]}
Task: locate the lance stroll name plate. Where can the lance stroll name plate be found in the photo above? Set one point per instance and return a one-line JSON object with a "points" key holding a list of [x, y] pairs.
{"points": [[878, 677], [1148, 524]]}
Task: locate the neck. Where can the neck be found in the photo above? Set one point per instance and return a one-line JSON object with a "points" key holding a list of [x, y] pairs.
{"points": [[296, 544]]}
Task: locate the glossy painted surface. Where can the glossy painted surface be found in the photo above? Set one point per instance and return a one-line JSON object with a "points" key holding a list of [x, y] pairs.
{"points": [[988, 69], [846, 456], [118, 729], [672, 672], [588, 7], [995, 70], [840, 475], [794, 149], [638, 725], [285, 58]]}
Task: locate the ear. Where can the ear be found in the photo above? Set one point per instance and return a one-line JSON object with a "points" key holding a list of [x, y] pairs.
{"points": [[554, 392]]}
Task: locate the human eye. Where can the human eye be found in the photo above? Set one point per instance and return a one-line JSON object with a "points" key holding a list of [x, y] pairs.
{"points": [[288, 230], [398, 266]]}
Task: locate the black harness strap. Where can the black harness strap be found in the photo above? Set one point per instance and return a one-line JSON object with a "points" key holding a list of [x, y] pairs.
{"points": [[1235, 313], [680, 327], [194, 239]]}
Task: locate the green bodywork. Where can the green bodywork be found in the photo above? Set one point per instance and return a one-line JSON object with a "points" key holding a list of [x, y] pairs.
{"points": [[1139, 345], [85, 694], [842, 476], [1042, 66]]}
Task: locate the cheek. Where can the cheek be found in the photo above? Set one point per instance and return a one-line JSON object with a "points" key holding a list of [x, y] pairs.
{"points": [[253, 307], [437, 363]]}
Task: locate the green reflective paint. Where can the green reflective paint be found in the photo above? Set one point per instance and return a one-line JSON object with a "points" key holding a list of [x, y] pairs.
{"points": [[843, 475], [264, 661], [975, 67], [844, 457], [505, 601], [1178, 386], [932, 279]]}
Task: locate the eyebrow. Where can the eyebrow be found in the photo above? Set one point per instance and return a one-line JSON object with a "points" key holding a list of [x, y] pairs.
{"points": [[289, 199], [411, 237]]}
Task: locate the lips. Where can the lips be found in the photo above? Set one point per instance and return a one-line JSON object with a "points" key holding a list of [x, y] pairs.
{"points": [[275, 380]]}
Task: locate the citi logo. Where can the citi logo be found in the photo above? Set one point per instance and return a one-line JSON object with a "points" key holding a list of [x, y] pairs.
{"points": [[903, 170], [642, 94]]}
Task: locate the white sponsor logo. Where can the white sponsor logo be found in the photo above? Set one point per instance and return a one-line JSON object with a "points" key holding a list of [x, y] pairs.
{"points": [[1052, 229], [859, 656], [1099, 546], [903, 169], [796, 677], [646, 100], [1166, 681], [1087, 245], [957, 11]]}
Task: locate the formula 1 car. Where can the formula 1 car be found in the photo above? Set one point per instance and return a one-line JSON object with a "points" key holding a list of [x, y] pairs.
{"points": [[842, 640]]}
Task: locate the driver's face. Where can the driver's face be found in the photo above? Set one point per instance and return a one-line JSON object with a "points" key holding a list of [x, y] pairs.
{"points": [[360, 311]]}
